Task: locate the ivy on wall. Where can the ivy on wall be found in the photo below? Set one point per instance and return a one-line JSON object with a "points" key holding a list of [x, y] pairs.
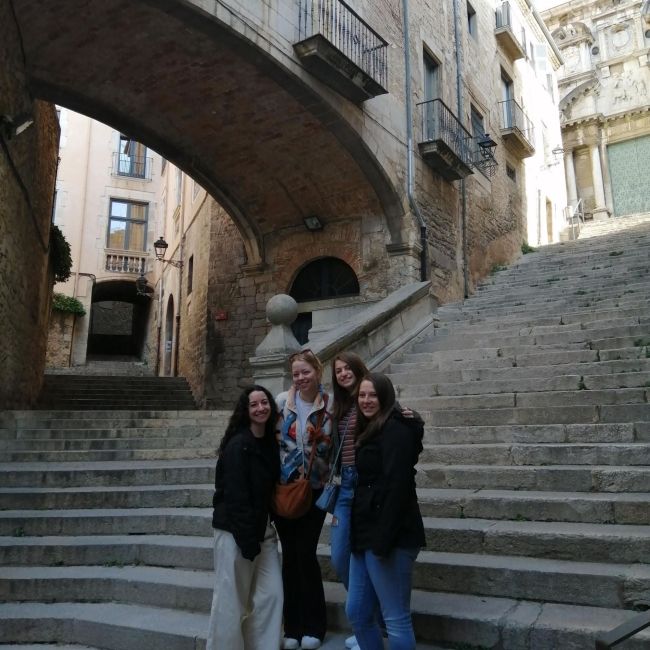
{"points": [[67, 304], [60, 256]]}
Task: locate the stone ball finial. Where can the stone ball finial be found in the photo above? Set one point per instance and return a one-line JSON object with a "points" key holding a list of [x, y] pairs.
{"points": [[281, 309]]}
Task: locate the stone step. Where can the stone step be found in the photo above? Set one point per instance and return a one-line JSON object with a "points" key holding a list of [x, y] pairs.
{"points": [[162, 550], [621, 544], [145, 496], [119, 626], [106, 521], [552, 478], [492, 416], [104, 444], [590, 371], [595, 584], [551, 399], [530, 505], [542, 433], [116, 473], [97, 455], [518, 454], [564, 382], [187, 432], [91, 404]]}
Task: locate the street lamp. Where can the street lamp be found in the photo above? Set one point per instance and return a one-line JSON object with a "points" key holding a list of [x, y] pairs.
{"points": [[161, 246]]}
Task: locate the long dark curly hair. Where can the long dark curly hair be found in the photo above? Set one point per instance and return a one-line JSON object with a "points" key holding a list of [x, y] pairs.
{"points": [[240, 419]]}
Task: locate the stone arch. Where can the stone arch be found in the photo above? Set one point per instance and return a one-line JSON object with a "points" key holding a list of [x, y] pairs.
{"points": [[260, 138], [322, 278]]}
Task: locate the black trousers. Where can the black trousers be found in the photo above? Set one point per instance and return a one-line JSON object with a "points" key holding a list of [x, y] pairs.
{"points": [[304, 597]]}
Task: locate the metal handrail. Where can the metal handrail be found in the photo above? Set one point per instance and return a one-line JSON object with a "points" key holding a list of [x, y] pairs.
{"points": [[622, 632], [440, 123], [575, 216], [133, 166], [514, 117], [348, 32]]}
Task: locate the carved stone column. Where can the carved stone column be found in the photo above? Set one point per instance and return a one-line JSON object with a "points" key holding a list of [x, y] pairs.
{"points": [[270, 361], [607, 180], [600, 210], [570, 174]]}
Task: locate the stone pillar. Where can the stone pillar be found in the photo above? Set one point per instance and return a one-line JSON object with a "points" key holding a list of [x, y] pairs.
{"points": [[600, 210], [607, 179], [269, 364], [570, 172]]}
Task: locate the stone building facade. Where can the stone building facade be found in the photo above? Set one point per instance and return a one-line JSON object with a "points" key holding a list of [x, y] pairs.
{"points": [[106, 188], [605, 105], [423, 156]]}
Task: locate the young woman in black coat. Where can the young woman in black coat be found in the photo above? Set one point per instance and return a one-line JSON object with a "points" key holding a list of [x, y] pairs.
{"points": [[387, 530], [247, 601]]}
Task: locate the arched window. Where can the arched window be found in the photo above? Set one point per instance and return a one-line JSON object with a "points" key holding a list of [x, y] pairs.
{"points": [[328, 277], [322, 279]]}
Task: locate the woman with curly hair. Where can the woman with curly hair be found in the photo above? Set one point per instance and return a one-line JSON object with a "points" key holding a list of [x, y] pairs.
{"points": [[247, 601]]}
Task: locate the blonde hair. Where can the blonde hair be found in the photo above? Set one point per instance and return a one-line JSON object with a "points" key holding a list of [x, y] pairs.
{"points": [[308, 357]]}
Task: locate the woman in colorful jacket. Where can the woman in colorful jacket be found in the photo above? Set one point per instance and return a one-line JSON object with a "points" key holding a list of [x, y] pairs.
{"points": [[304, 421]]}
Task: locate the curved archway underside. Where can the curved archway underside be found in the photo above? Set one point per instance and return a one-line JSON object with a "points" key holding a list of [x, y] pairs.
{"points": [[264, 144]]}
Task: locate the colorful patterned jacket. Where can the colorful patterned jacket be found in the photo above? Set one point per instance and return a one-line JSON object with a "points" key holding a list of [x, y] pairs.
{"points": [[292, 462]]}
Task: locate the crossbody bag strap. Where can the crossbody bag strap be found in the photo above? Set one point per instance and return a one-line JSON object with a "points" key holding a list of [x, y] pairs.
{"points": [[338, 452]]}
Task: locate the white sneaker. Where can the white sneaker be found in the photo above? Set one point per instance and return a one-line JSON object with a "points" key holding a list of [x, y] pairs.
{"points": [[290, 644], [310, 643], [350, 642]]}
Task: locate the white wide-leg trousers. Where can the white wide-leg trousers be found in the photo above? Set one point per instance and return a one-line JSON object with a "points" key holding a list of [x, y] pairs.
{"points": [[247, 600]]}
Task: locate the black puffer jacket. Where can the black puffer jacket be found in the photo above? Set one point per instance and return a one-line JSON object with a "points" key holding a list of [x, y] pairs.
{"points": [[385, 512], [245, 478]]}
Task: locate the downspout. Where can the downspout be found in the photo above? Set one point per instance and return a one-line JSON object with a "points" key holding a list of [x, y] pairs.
{"points": [[409, 145], [180, 281], [459, 110]]}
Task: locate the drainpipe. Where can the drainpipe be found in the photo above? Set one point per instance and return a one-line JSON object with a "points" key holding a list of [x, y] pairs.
{"points": [[459, 110], [409, 146]]}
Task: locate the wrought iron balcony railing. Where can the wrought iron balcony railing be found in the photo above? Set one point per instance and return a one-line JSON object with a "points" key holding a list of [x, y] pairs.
{"points": [[445, 143], [133, 166], [510, 35], [515, 123], [346, 32], [125, 262]]}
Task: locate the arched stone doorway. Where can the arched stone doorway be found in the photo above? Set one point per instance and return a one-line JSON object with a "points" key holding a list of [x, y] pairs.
{"points": [[118, 322], [321, 283]]}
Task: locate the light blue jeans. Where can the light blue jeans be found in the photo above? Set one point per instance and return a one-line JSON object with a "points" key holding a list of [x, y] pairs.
{"points": [[340, 529], [383, 582]]}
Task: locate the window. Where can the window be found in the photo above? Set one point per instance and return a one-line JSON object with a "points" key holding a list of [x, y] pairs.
{"points": [[478, 127], [431, 78], [127, 225], [132, 158], [471, 20], [511, 173], [507, 94], [179, 186], [190, 274], [163, 164], [196, 188]]}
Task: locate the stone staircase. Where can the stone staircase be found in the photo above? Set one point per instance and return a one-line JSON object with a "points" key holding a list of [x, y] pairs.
{"points": [[535, 478], [534, 482], [103, 392]]}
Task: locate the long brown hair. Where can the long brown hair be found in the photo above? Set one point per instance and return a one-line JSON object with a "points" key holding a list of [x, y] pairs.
{"points": [[344, 399], [367, 429]]}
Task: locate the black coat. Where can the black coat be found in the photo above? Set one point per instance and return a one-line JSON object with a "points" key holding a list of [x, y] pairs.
{"points": [[247, 472], [385, 511]]}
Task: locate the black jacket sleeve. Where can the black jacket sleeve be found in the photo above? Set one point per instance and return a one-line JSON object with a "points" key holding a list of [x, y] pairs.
{"points": [[237, 496], [401, 446]]}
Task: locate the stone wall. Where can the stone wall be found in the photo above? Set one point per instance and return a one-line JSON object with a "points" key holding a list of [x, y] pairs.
{"points": [[59, 340], [27, 174]]}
